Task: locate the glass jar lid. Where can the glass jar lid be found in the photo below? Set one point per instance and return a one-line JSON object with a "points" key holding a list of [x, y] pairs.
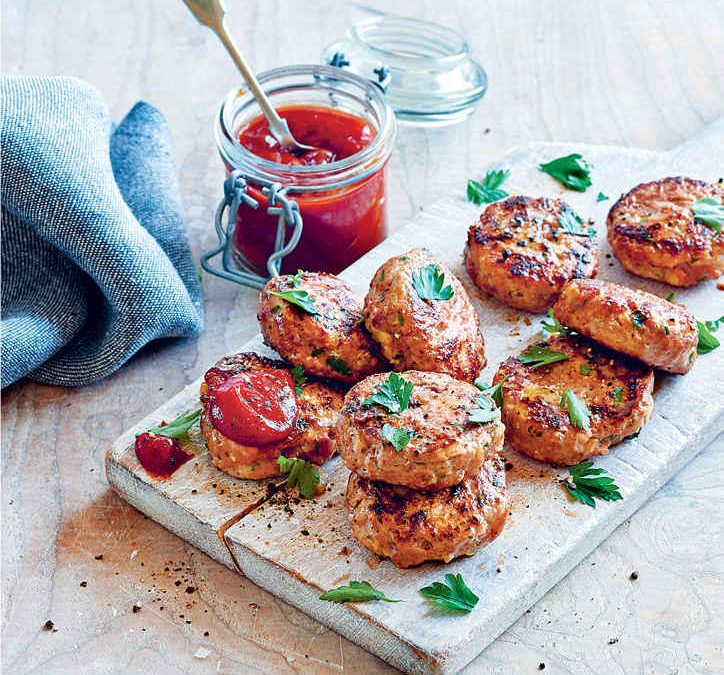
{"points": [[426, 69]]}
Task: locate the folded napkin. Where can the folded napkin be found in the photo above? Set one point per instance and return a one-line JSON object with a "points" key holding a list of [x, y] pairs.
{"points": [[95, 259]]}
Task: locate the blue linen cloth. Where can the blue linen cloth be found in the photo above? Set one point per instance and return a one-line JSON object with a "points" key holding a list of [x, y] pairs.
{"points": [[95, 259]]}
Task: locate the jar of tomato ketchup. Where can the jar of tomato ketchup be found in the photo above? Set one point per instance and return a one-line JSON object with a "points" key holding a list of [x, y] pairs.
{"points": [[338, 189]]}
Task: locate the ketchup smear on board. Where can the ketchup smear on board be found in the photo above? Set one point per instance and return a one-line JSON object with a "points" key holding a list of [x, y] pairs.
{"points": [[160, 455], [255, 407], [340, 225]]}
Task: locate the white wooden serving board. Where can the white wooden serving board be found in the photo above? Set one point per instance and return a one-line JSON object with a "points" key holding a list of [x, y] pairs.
{"points": [[298, 550]]}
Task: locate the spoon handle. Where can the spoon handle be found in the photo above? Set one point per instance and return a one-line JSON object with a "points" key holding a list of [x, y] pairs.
{"points": [[210, 13]]}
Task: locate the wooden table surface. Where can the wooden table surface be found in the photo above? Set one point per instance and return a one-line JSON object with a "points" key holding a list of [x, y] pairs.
{"points": [[636, 73]]}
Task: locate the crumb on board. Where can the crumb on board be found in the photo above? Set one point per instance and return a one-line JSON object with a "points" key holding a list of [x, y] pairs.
{"points": [[373, 562]]}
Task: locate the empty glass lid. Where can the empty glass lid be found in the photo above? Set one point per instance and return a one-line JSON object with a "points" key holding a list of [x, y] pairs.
{"points": [[425, 69]]}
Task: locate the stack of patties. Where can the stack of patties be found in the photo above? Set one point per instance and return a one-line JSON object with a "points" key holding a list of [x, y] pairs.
{"points": [[427, 482]]}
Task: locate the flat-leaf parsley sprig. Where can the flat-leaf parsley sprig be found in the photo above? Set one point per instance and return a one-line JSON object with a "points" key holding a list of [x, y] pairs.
{"points": [[572, 223], [393, 394], [537, 356], [572, 171], [300, 379], [297, 295], [398, 438], [587, 483], [708, 342], [453, 595], [578, 414], [180, 427], [357, 591], [495, 391], [301, 473], [553, 327], [429, 281], [485, 411], [488, 190], [708, 211]]}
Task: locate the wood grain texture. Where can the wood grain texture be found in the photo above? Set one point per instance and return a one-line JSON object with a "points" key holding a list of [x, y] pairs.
{"points": [[297, 550], [645, 74]]}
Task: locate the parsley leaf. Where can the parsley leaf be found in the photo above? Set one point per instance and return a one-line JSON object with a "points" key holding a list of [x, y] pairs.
{"points": [[537, 356], [301, 473], [485, 411], [572, 170], [179, 428], [338, 365], [709, 212], [617, 395], [586, 484], [297, 295], [397, 438], [454, 595], [393, 394], [601, 197], [300, 379], [638, 319], [585, 369], [488, 191], [578, 413], [707, 341], [495, 391], [555, 327], [357, 591], [671, 297], [428, 283], [571, 223]]}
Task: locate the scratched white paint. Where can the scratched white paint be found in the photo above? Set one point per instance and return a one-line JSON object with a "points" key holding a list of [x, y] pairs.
{"points": [[546, 536]]}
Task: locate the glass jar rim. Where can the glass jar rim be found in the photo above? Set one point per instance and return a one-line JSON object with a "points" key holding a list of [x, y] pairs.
{"points": [[345, 171], [364, 31], [432, 78]]}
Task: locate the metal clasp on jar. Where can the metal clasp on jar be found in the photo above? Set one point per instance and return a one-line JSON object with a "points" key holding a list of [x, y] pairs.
{"points": [[289, 229]]}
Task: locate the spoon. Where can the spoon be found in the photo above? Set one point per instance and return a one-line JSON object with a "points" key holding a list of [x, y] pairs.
{"points": [[211, 13]]}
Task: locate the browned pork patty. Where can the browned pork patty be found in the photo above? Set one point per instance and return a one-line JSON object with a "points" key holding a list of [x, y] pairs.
{"points": [[653, 232], [519, 253], [660, 333], [441, 336], [616, 390], [332, 342], [445, 448], [312, 439], [413, 526]]}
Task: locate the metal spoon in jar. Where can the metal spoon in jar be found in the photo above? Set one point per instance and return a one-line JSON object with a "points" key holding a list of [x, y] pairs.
{"points": [[211, 13]]}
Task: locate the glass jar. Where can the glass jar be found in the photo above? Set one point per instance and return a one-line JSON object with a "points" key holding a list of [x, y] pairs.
{"points": [[434, 80], [342, 203]]}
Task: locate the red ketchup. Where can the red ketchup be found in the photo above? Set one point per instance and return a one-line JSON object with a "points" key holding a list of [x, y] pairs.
{"points": [[160, 455], [340, 225], [255, 407]]}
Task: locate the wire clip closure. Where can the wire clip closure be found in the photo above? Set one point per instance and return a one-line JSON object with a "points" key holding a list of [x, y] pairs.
{"points": [[288, 218]]}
